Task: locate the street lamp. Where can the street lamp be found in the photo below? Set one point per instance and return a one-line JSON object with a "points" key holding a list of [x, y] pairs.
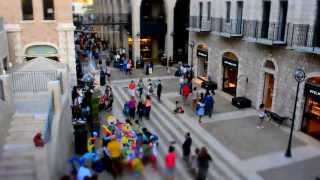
{"points": [[299, 76], [192, 44]]}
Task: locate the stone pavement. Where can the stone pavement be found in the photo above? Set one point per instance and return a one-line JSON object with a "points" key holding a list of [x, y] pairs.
{"points": [[239, 149]]}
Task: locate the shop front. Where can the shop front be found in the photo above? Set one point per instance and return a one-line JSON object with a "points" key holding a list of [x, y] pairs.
{"points": [[311, 116], [202, 66], [230, 73]]}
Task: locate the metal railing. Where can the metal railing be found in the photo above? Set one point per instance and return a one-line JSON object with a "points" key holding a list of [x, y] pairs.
{"points": [[265, 30], [49, 120], [200, 24], [234, 27], [1, 90], [303, 36], [32, 82], [98, 18]]}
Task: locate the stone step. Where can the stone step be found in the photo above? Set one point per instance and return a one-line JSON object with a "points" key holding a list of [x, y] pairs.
{"points": [[18, 148], [16, 162], [22, 171], [15, 128], [20, 177], [26, 121], [17, 137]]}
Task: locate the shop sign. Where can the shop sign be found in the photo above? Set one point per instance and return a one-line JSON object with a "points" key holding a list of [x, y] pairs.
{"points": [[312, 90], [230, 62], [201, 53]]}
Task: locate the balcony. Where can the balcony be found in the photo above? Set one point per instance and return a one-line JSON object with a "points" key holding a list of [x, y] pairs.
{"points": [[105, 19], [304, 38], [232, 29], [200, 24], [266, 33]]}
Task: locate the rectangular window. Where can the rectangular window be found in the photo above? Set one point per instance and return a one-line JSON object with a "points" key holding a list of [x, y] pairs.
{"points": [[200, 14], [48, 10], [228, 7], [209, 10], [27, 10]]}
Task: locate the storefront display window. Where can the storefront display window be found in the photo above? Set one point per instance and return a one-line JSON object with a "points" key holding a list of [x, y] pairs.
{"points": [[202, 55], [311, 116], [230, 74]]}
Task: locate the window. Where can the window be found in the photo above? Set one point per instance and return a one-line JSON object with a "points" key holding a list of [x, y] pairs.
{"points": [[200, 14], [48, 9], [27, 10], [228, 6], [209, 10]]}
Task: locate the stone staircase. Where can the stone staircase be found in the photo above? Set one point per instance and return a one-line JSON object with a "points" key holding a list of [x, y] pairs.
{"points": [[17, 161]]}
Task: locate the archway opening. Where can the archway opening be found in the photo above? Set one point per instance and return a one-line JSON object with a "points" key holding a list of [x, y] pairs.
{"points": [[202, 62], [35, 51], [268, 86], [181, 35], [230, 73], [311, 115], [153, 30]]}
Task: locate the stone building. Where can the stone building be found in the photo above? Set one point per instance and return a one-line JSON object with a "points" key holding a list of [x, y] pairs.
{"points": [[251, 48], [4, 51], [40, 28], [147, 29]]}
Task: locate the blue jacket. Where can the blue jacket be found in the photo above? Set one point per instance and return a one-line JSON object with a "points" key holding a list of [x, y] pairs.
{"points": [[208, 101]]}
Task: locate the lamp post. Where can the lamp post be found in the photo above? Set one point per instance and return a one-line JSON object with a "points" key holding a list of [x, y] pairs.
{"points": [[192, 44], [299, 76]]}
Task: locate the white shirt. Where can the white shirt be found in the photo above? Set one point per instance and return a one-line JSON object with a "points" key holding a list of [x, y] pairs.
{"points": [[83, 172]]}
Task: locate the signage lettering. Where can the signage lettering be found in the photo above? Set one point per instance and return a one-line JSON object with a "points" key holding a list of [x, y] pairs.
{"points": [[230, 63], [202, 53]]}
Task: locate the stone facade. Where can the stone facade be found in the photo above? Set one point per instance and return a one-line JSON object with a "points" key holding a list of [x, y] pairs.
{"points": [[57, 33], [252, 55]]}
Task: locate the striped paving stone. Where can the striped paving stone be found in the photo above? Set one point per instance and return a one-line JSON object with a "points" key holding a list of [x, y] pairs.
{"points": [[165, 138], [170, 125]]}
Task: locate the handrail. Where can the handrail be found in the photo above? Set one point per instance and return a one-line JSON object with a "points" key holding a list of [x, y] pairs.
{"points": [[49, 119]]}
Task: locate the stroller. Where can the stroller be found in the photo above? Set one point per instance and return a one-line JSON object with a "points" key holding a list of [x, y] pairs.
{"points": [[126, 109]]}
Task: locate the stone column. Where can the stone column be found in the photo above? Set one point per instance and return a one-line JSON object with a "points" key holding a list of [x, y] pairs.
{"points": [[15, 46], [54, 88], [169, 35], [136, 30], [7, 89]]}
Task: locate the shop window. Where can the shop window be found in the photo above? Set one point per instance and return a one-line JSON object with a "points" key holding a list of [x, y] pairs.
{"points": [[48, 10], [27, 9], [269, 65]]}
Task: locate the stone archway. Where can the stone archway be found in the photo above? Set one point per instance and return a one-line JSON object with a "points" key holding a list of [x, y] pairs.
{"points": [[181, 34], [46, 50], [153, 29]]}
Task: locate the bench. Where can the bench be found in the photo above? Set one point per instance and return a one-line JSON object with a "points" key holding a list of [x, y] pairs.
{"points": [[276, 117]]}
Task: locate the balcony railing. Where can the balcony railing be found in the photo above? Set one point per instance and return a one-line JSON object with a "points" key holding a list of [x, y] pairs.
{"points": [[105, 19], [304, 37], [1, 24], [200, 24], [268, 33], [230, 29]]}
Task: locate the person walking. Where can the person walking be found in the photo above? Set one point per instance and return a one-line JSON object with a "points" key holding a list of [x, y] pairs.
{"points": [[114, 149], [170, 160], [140, 109], [262, 116], [203, 163], [185, 92], [140, 87], [208, 101], [132, 88], [147, 107], [132, 107], [186, 147], [200, 111], [194, 162], [159, 90], [194, 98]]}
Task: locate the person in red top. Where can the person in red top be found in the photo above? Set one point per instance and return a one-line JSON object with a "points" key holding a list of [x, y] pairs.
{"points": [[185, 92], [170, 163], [132, 88]]}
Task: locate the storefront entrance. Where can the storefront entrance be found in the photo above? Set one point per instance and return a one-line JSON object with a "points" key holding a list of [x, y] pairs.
{"points": [[311, 116], [268, 90], [230, 74], [202, 69]]}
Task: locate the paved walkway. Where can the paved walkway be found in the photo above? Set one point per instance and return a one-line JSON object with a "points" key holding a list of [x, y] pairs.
{"points": [[239, 149]]}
